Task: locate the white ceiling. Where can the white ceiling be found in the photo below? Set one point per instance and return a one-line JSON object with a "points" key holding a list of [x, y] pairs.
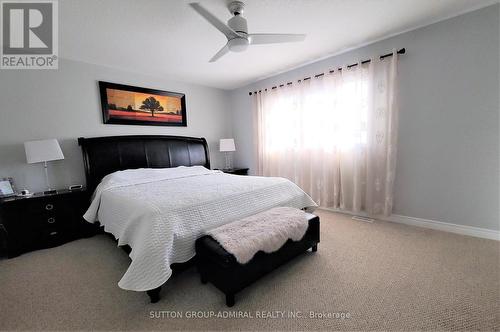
{"points": [[167, 38]]}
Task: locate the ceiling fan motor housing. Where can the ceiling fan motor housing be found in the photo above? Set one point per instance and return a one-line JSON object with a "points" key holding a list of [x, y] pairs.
{"points": [[238, 24]]}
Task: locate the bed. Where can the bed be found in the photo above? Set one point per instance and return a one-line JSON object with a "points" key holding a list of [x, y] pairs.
{"points": [[157, 195]]}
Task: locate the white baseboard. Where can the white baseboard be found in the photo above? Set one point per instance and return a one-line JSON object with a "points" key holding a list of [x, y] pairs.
{"points": [[433, 224], [446, 227]]}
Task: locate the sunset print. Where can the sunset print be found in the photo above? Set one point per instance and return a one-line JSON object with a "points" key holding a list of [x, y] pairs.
{"points": [[141, 106]]}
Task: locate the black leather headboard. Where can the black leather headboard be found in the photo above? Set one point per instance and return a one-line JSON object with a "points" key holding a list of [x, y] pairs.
{"points": [[105, 155]]}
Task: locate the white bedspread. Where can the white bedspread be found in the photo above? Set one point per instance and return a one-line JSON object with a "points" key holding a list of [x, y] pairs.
{"points": [[161, 212]]}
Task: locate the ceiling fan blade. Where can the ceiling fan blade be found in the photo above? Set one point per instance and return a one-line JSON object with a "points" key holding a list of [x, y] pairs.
{"points": [[219, 54], [272, 38], [221, 26]]}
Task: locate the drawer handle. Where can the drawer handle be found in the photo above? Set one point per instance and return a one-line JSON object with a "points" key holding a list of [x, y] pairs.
{"points": [[49, 207], [51, 220], [53, 233]]}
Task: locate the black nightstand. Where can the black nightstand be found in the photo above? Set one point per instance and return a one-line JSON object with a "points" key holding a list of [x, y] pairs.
{"points": [[236, 171], [44, 221]]}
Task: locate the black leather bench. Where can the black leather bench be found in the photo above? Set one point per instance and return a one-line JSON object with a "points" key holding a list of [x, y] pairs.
{"points": [[219, 267]]}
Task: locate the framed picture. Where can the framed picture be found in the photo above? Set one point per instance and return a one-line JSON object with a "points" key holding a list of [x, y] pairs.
{"points": [[7, 187], [125, 104]]}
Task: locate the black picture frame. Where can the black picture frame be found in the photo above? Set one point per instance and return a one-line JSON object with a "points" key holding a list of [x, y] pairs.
{"points": [[119, 114]]}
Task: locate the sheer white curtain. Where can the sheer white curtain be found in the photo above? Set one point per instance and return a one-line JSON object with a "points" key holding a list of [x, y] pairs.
{"points": [[334, 136]]}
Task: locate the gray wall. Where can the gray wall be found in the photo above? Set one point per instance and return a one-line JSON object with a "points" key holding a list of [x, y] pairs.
{"points": [[65, 104], [448, 154]]}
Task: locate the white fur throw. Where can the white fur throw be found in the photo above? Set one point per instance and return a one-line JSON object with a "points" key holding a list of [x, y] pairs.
{"points": [[267, 231]]}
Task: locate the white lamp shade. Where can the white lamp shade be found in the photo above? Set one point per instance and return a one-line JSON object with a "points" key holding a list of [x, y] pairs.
{"points": [[43, 150], [227, 144]]}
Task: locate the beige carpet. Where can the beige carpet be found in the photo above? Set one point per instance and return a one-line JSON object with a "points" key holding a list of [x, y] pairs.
{"points": [[385, 276]]}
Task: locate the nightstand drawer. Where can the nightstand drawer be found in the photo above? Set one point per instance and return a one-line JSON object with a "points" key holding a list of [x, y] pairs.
{"points": [[54, 220], [51, 237], [43, 206]]}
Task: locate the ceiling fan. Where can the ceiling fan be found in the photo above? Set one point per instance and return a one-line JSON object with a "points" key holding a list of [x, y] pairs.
{"points": [[236, 31]]}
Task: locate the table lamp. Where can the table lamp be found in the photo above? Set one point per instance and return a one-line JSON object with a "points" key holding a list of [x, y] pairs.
{"points": [[227, 146], [43, 151]]}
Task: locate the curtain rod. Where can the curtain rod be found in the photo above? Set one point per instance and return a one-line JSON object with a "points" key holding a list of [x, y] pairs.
{"points": [[401, 51]]}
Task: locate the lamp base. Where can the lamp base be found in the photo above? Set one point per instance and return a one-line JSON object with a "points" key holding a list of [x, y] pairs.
{"points": [[229, 161], [49, 191]]}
